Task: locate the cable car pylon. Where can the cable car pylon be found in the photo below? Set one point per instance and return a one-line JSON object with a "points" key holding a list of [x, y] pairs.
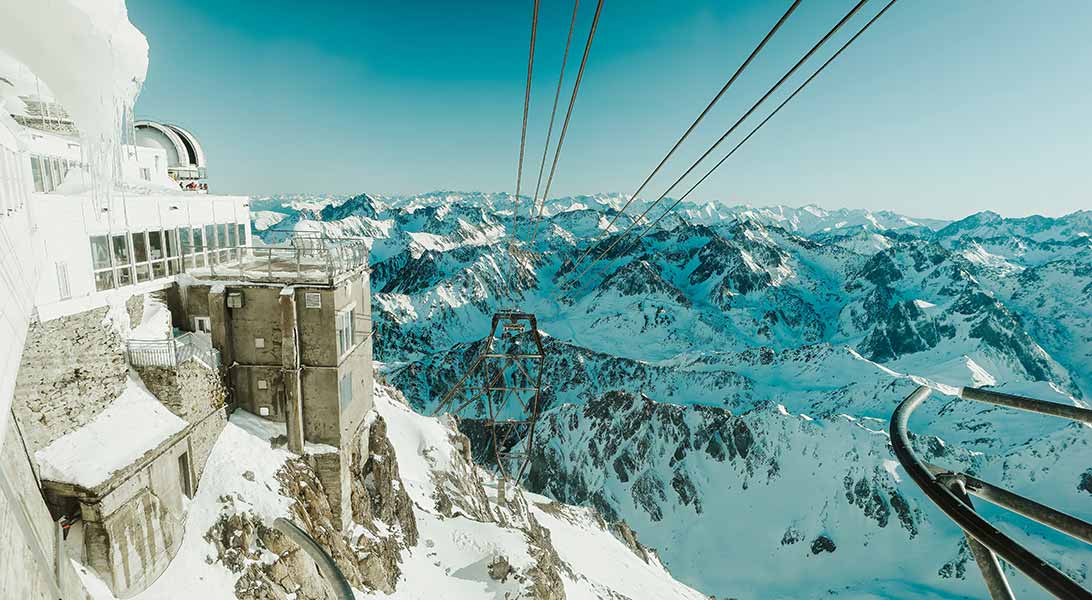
{"points": [[502, 389]]}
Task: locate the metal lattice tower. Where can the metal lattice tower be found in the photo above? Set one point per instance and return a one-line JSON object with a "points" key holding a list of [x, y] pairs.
{"points": [[502, 389]]}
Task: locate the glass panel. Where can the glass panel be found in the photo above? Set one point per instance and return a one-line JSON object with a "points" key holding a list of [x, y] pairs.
{"points": [[184, 238], [198, 240], [200, 259], [224, 241], [36, 170], [155, 243], [174, 267], [140, 247], [159, 269], [142, 273], [104, 280], [100, 252], [231, 236], [172, 242], [121, 250], [242, 234], [210, 236], [189, 261], [125, 276]]}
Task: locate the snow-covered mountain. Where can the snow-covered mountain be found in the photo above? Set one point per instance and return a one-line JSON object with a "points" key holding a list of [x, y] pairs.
{"points": [[724, 384]]}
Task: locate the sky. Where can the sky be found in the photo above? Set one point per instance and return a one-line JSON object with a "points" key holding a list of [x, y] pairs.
{"points": [[941, 109]]}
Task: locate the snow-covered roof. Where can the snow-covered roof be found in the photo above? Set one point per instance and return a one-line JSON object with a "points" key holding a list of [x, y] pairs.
{"points": [[130, 426]]}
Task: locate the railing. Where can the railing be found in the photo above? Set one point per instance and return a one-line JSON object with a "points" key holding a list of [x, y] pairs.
{"points": [[173, 352], [949, 491], [310, 259], [326, 565]]}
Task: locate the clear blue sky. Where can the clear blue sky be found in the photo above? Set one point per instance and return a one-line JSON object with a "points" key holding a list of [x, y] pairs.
{"points": [[943, 108]]}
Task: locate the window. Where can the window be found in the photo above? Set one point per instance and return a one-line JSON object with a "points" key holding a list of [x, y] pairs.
{"points": [[62, 281], [100, 252], [198, 240], [155, 244], [345, 390], [104, 280], [210, 236], [344, 323], [203, 324], [39, 176], [242, 234], [121, 250], [140, 247]]}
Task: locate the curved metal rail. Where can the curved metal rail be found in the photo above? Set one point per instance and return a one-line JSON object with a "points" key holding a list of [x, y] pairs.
{"points": [[949, 491], [326, 565]]}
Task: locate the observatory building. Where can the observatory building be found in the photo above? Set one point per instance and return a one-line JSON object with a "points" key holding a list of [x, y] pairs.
{"points": [[185, 158]]}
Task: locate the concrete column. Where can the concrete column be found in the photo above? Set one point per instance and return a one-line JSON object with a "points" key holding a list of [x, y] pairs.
{"points": [[290, 367], [219, 319]]}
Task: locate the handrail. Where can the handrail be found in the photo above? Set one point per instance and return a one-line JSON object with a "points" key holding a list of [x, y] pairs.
{"points": [[326, 565], [948, 491]]}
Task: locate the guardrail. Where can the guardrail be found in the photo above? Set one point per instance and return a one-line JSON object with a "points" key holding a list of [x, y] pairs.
{"points": [[326, 565], [173, 352], [951, 490], [314, 259]]}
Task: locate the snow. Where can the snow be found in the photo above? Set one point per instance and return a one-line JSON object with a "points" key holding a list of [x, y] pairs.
{"points": [[92, 59], [155, 324], [923, 304], [130, 426], [892, 467]]}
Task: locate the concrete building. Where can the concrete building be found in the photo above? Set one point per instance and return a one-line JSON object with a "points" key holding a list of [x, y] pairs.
{"points": [[294, 330]]}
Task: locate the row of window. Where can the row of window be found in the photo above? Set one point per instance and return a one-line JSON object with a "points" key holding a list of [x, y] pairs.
{"points": [[126, 258], [13, 189], [49, 171]]}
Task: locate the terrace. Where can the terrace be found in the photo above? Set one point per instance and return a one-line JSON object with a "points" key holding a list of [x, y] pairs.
{"points": [[304, 259]]}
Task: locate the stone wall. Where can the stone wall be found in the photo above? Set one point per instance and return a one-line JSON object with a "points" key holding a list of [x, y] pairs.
{"points": [[190, 391], [71, 369]]}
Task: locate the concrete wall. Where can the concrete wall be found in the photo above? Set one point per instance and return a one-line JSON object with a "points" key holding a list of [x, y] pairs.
{"points": [[33, 563]]}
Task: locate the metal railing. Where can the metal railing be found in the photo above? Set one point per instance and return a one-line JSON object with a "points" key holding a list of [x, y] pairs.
{"points": [[173, 352], [951, 492], [303, 259], [326, 565]]}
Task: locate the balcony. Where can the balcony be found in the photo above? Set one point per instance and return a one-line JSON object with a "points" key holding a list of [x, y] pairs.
{"points": [[305, 259]]}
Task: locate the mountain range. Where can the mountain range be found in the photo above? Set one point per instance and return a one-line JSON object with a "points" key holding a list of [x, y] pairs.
{"points": [[724, 383]]}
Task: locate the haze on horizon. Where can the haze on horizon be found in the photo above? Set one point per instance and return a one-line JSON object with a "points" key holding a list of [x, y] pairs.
{"points": [[939, 110]]}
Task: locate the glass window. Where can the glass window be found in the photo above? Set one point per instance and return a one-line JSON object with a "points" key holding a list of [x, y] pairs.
{"points": [[155, 244], [210, 236], [140, 247], [198, 240], [232, 242], [121, 250], [184, 238], [172, 242], [143, 273], [344, 332], [199, 259], [39, 176], [104, 280], [125, 276], [224, 241], [242, 234], [100, 252], [159, 269]]}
